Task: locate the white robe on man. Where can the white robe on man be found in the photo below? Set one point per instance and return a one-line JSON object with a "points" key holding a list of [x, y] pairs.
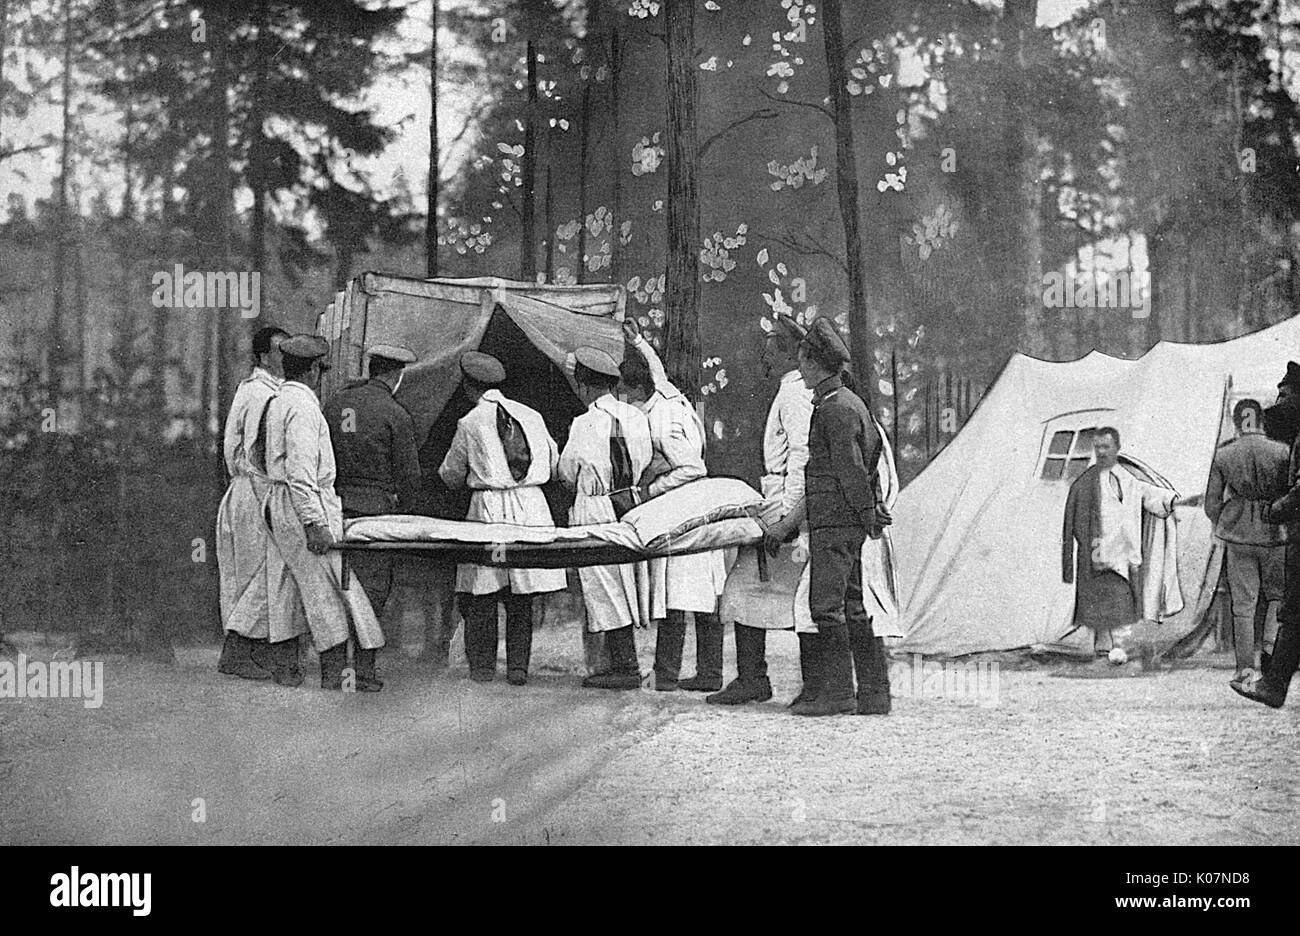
{"points": [[677, 583], [609, 592], [477, 460], [306, 590], [241, 529], [781, 601]]}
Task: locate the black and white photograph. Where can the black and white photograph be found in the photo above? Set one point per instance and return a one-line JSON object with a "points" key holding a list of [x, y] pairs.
{"points": [[651, 422]]}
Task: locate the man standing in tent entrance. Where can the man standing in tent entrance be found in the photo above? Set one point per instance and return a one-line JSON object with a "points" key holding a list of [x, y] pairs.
{"points": [[241, 531], [503, 453], [1103, 517], [678, 584], [306, 518], [607, 453], [1248, 474]]}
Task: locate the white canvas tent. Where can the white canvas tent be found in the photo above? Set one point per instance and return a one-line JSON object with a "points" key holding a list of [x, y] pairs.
{"points": [[977, 534]]}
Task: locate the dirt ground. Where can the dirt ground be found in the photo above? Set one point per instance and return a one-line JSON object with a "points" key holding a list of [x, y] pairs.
{"points": [[180, 754]]}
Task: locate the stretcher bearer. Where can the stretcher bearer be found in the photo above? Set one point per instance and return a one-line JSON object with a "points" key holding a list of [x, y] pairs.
{"points": [[843, 508], [678, 584], [241, 530], [306, 518], [781, 603], [608, 451], [375, 455], [503, 454]]}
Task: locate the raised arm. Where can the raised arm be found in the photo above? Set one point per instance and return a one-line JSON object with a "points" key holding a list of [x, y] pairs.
{"points": [[455, 466]]}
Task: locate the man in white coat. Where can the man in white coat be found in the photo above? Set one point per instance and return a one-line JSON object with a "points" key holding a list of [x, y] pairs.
{"points": [[608, 451], [677, 584], [306, 518], [781, 603], [241, 531], [503, 454]]}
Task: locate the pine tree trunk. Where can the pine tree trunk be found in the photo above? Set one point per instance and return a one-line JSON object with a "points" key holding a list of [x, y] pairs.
{"points": [[1026, 45], [528, 222], [550, 226], [231, 337], [584, 145], [682, 284], [616, 272], [257, 170], [56, 350], [846, 181], [431, 201]]}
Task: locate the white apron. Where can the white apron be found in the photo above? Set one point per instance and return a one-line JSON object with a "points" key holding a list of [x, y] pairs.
{"points": [[241, 533], [241, 557], [305, 590]]}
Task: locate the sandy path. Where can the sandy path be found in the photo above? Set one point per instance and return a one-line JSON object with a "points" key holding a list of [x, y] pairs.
{"points": [[1165, 758]]}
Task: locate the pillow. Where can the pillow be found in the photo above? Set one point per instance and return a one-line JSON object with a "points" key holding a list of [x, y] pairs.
{"points": [[692, 505]]}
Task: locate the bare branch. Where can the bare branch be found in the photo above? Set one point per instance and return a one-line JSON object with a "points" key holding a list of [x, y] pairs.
{"points": [[470, 120], [780, 100], [813, 249], [765, 113], [35, 147]]}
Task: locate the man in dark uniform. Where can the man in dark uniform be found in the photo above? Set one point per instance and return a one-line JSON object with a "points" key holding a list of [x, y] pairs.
{"points": [[1282, 421], [378, 466], [842, 509]]}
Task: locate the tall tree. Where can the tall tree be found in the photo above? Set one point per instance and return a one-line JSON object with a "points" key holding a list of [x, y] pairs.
{"points": [[682, 284], [431, 200]]}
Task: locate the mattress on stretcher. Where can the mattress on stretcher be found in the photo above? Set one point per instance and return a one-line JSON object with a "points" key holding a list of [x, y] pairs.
{"points": [[538, 547], [711, 513]]}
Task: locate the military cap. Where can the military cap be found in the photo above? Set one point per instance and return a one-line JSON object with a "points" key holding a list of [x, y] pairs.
{"points": [[483, 368], [307, 347], [596, 360], [399, 353], [825, 342], [788, 325], [1292, 378]]}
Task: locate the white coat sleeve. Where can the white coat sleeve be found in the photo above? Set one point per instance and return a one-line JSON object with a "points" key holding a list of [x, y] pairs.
{"points": [[656, 366], [796, 419], [232, 439], [683, 449], [455, 466], [301, 459], [1155, 500]]}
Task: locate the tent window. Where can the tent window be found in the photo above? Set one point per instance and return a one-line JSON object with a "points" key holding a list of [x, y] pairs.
{"points": [[1068, 454]]}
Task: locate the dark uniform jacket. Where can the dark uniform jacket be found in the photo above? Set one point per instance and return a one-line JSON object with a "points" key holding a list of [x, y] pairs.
{"points": [[1248, 474], [843, 452], [378, 468]]}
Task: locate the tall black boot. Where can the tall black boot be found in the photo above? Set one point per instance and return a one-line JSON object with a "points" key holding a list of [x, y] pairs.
{"points": [[237, 658], [872, 668], [751, 683], [519, 637], [626, 671], [332, 663], [482, 634], [1271, 689], [836, 657], [708, 654], [809, 669], [367, 679], [670, 636], [286, 669]]}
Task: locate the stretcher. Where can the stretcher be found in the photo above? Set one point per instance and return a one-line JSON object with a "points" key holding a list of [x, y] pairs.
{"points": [[514, 547]]}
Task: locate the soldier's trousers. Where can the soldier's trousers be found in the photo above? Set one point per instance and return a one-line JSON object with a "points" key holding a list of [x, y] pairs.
{"points": [[482, 635], [835, 600]]}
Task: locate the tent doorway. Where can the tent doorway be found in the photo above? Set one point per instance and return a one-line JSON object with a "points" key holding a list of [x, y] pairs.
{"points": [[532, 379]]}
